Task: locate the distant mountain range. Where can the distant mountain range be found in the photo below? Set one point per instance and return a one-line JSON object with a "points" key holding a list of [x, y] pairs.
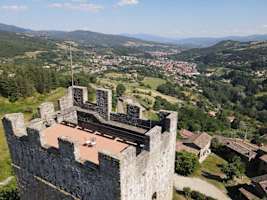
{"points": [[149, 37], [84, 37], [11, 28], [197, 41], [130, 40]]}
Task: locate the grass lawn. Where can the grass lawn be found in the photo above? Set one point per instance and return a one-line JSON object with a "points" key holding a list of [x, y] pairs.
{"points": [[111, 84], [28, 107], [210, 171], [153, 82], [5, 169], [114, 75], [155, 93], [134, 88], [211, 166], [212, 163], [151, 115]]}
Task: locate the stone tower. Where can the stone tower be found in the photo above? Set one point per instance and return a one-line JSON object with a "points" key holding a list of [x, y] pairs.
{"points": [[85, 151]]}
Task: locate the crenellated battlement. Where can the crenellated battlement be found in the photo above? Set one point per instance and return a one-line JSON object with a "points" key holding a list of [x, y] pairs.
{"points": [[33, 137], [129, 127], [90, 152]]}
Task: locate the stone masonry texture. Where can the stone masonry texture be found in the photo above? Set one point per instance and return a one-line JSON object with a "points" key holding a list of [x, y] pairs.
{"points": [[48, 173]]}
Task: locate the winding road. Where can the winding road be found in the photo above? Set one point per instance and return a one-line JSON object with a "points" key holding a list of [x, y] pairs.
{"points": [[199, 185]]}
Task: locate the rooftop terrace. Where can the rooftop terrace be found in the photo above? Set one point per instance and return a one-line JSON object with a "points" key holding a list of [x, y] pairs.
{"points": [[92, 128], [81, 139]]}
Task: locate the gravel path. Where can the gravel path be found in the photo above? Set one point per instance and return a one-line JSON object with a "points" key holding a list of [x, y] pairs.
{"points": [[199, 185], [6, 181]]}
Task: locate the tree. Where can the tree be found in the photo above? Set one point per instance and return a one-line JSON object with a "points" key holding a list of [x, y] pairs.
{"points": [[168, 89], [187, 192], [120, 90], [235, 124], [9, 193], [197, 195], [186, 163], [215, 144], [235, 168]]}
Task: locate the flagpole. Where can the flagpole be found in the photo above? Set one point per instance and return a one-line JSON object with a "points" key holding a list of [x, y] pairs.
{"points": [[72, 78]]}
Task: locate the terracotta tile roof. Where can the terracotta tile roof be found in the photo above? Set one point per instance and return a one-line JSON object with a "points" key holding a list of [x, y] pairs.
{"points": [[261, 181], [242, 147], [201, 140], [80, 137], [181, 147], [186, 134], [264, 158], [248, 194], [264, 148]]}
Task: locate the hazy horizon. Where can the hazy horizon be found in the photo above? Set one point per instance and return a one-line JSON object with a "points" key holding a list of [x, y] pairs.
{"points": [[179, 19]]}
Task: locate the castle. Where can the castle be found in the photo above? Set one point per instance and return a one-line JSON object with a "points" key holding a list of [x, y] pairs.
{"points": [[86, 151]]}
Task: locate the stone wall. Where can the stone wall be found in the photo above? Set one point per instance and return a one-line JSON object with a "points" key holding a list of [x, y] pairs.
{"points": [[124, 118], [151, 173], [60, 174], [104, 103], [60, 167], [103, 107], [79, 94], [66, 101], [68, 115], [134, 111], [46, 110], [36, 188]]}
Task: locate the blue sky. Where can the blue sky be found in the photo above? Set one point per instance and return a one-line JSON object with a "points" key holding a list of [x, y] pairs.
{"points": [[171, 18]]}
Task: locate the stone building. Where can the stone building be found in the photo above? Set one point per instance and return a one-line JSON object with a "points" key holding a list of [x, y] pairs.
{"points": [[257, 189], [263, 164], [198, 144], [85, 151]]}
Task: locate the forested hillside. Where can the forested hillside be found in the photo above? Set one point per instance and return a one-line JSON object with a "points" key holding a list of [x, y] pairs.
{"points": [[14, 44], [229, 54], [232, 84], [87, 38]]}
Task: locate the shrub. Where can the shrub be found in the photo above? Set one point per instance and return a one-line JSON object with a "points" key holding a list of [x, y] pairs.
{"points": [[197, 195], [187, 192], [186, 163], [120, 90], [10, 193]]}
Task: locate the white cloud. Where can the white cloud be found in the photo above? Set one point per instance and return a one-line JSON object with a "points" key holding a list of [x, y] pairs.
{"points": [[88, 7], [127, 2], [14, 8], [264, 26]]}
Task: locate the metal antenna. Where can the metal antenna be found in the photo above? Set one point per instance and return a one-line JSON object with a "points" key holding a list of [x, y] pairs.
{"points": [[72, 76]]}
